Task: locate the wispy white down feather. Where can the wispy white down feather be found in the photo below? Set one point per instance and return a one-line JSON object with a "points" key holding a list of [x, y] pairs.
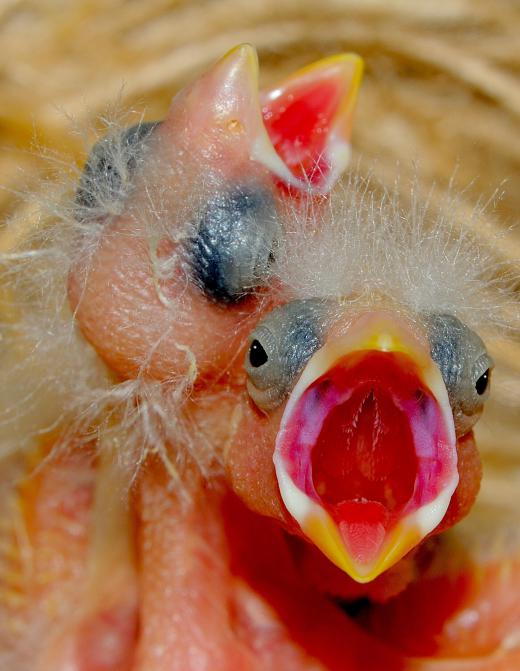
{"points": [[372, 245], [362, 243]]}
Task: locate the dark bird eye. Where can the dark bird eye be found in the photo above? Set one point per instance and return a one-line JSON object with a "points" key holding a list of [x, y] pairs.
{"points": [[482, 383], [257, 354], [281, 345]]}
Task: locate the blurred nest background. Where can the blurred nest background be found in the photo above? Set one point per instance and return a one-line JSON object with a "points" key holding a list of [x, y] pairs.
{"points": [[442, 90]]}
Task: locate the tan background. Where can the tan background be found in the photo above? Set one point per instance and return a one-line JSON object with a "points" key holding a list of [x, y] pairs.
{"points": [[442, 88]]}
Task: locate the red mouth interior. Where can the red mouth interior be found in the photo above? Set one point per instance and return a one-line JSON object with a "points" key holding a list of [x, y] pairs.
{"points": [[365, 452], [298, 124], [364, 462]]}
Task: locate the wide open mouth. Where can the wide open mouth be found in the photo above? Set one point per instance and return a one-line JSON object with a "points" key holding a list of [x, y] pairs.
{"points": [[366, 456]]}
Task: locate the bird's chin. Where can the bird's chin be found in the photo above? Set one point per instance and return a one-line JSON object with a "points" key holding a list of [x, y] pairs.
{"points": [[366, 454]]}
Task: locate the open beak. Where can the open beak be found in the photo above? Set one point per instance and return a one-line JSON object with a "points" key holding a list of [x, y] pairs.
{"points": [[309, 119], [366, 455], [299, 130]]}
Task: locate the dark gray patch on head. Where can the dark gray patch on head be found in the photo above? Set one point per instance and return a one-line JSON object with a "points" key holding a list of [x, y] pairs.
{"points": [[236, 235], [107, 172]]}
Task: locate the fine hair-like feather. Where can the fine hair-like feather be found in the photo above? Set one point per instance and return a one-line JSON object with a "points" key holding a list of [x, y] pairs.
{"points": [[363, 243]]}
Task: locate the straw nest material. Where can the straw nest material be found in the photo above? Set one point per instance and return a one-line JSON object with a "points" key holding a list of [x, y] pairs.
{"points": [[441, 97]]}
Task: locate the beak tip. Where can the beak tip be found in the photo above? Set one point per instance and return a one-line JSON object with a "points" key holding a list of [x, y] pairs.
{"points": [[324, 534], [244, 54]]}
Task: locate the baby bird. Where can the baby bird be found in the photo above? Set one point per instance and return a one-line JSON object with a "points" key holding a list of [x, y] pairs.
{"points": [[239, 398]]}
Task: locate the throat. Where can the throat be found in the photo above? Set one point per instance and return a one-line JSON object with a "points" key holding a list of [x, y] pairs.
{"points": [[364, 458]]}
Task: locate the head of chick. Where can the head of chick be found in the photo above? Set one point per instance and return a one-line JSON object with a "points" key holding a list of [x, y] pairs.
{"points": [[337, 333], [368, 405]]}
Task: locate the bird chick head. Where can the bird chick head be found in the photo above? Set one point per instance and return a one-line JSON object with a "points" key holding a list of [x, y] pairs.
{"points": [[339, 384]]}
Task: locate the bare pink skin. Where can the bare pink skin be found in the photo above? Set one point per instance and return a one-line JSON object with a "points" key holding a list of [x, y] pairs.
{"points": [[214, 599], [224, 580], [159, 327], [221, 587], [70, 614], [118, 277]]}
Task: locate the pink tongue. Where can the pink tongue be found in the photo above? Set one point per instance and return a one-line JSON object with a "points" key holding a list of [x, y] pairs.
{"points": [[362, 525]]}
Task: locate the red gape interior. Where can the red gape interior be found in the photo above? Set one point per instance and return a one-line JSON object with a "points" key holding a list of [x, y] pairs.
{"points": [[364, 462], [365, 454], [299, 124]]}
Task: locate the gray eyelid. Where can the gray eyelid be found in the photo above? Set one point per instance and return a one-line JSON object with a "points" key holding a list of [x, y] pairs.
{"points": [[106, 177], [483, 363], [264, 334], [235, 234], [462, 358], [290, 334]]}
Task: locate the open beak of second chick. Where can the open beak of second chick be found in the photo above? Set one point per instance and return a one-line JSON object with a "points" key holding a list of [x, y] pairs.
{"points": [[299, 130], [365, 456]]}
